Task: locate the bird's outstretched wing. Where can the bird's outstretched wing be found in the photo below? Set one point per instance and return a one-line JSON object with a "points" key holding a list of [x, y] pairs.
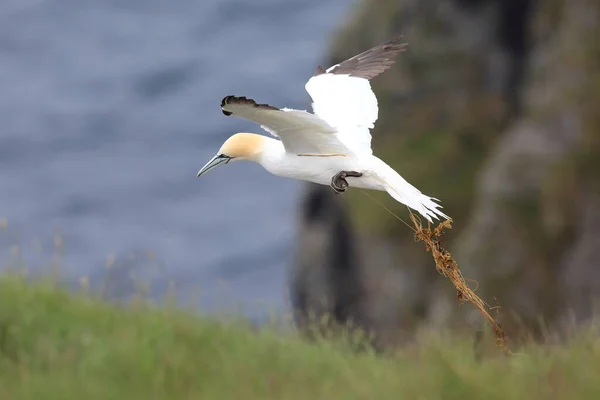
{"points": [[342, 94], [344, 106], [300, 132]]}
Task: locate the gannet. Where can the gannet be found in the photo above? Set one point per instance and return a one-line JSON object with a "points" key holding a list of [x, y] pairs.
{"points": [[333, 145]]}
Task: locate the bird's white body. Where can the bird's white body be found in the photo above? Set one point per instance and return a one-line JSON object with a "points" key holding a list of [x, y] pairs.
{"points": [[316, 147], [376, 174], [313, 168]]}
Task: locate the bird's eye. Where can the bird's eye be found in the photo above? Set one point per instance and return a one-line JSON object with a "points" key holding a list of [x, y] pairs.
{"points": [[224, 157]]}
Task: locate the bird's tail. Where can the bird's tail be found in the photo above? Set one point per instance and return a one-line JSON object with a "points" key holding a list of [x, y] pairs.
{"points": [[405, 193]]}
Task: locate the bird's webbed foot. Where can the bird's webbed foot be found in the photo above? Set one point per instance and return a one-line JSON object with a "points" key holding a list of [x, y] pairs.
{"points": [[339, 183]]}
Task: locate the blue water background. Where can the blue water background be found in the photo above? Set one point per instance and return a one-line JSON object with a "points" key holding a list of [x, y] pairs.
{"points": [[108, 108]]}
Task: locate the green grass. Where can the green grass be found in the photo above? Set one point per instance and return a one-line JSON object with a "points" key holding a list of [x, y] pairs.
{"points": [[56, 345]]}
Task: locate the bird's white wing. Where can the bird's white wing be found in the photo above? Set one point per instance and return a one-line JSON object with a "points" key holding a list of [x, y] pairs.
{"points": [[300, 132], [342, 95]]}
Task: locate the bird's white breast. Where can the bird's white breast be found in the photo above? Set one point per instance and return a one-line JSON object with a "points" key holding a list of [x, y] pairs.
{"points": [[319, 169]]}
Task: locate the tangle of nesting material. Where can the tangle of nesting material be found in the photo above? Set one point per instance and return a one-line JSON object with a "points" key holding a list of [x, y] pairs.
{"points": [[446, 265]]}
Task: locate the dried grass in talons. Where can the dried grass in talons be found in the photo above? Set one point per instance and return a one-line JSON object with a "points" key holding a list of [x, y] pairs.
{"points": [[446, 265]]}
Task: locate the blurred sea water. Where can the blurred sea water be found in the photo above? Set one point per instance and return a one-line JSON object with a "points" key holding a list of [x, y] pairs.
{"points": [[108, 108]]}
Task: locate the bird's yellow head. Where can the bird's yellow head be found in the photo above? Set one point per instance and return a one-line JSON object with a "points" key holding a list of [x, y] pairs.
{"points": [[241, 146]]}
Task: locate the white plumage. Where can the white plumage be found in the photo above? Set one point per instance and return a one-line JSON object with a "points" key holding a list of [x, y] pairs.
{"points": [[317, 147], [348, 104]]}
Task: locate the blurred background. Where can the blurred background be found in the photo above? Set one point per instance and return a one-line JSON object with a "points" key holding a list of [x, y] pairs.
{"points": [[109, 108]]}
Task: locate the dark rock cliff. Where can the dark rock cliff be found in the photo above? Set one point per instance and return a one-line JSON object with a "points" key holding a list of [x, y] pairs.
{"points": [[494, 110]]}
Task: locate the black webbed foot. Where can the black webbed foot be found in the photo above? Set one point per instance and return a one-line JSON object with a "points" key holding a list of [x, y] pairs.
{"points": [[339, 183]]}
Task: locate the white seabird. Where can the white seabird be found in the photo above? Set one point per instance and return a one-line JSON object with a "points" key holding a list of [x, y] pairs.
{"points": [[333, 145]]}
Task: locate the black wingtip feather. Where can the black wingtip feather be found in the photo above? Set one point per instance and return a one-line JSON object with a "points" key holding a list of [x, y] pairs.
{"points": [[373, 61], [224, 103], [227, 100]]}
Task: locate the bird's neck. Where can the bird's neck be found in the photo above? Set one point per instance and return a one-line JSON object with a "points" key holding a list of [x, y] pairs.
{"points": [[272, 153]]}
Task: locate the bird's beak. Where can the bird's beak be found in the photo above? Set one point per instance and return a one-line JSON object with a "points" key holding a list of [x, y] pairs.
{"points": [[219, 159]]}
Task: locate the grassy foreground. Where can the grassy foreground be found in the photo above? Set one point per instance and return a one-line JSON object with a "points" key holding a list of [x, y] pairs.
{"points": [[56, 345]]}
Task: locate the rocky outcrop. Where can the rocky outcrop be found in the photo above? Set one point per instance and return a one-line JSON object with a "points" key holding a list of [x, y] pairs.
{"points": [[492, 109], [530, 238], [326, 280]]}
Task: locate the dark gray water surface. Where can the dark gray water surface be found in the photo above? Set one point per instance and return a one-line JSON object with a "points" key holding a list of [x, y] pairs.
{"points": [[108, 108]]}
